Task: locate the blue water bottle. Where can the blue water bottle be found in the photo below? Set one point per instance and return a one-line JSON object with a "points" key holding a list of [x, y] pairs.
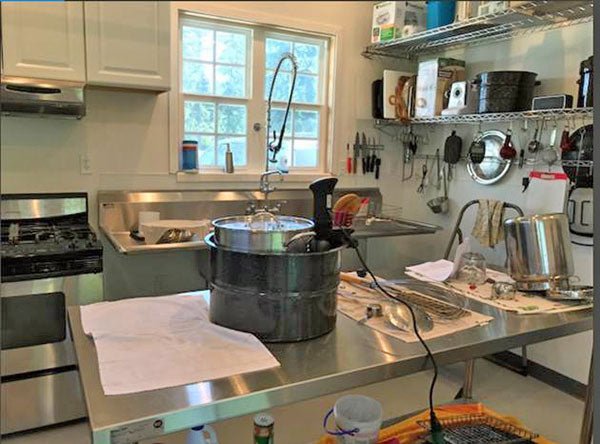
{"points": [[189, 155]]}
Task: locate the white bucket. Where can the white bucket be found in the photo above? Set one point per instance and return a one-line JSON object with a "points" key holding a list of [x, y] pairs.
{"points": [[360, 413]]}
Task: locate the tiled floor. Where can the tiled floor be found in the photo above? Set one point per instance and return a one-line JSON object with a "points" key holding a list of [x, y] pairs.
{"points": [[540, 407]]}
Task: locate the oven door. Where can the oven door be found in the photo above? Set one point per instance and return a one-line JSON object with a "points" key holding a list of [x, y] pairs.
{"points": [[34, 333]]}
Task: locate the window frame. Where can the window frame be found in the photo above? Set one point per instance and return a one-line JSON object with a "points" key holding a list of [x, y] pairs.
{"points": [[255, 103]]}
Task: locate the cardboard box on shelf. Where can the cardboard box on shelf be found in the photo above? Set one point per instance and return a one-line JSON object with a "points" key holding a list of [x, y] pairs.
{"points": [[395, 92], [434, 81], [392, 20]]}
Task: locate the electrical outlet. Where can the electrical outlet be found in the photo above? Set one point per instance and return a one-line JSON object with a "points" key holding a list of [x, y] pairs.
{"points": [[85, 164]]}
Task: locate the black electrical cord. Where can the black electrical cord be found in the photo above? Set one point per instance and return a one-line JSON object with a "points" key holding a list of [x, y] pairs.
{"points": [[436, 427]]}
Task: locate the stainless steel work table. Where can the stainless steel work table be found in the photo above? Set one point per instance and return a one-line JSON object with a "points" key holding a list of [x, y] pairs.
{"points": [[352, 355]]}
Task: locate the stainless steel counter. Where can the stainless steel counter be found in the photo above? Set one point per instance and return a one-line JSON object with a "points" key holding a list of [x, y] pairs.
{"points": [[352, 355]]}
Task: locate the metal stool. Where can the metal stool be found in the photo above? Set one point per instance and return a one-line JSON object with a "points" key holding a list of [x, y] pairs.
{"points": [[467, 389]]}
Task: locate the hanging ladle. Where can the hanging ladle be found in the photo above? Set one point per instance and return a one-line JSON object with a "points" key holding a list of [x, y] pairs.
{"points": [[439, 205]]}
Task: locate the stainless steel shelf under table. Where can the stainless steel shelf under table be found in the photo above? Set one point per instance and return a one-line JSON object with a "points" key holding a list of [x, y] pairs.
{"points": [[352, 355]]}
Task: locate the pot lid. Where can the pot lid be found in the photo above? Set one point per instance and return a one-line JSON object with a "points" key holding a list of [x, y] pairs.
{"points": [[264, 221]]}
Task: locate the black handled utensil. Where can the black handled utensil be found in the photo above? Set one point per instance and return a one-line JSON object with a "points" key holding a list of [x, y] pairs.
{"points": [[322, 190]]}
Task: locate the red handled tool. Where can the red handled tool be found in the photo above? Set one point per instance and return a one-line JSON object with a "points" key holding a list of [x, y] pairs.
{"points": [[348, 159]]}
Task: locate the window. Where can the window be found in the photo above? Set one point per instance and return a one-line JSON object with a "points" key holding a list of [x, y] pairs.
{"points": [[214, 71], [301, 143], [226, 72]]}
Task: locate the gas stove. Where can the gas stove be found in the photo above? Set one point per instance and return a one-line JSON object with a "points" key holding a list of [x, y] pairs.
{"points": [[50, 259], [47, 236]]}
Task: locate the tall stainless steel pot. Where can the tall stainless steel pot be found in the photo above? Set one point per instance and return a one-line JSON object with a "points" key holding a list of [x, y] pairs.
{"points": [[539, 253], [279, 297]]}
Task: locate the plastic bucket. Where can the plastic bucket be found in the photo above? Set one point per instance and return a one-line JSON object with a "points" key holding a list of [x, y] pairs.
{"points": [[360, 417]]}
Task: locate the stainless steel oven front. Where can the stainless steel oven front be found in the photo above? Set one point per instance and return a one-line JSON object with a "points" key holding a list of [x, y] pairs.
{"points": [[40, 383]]}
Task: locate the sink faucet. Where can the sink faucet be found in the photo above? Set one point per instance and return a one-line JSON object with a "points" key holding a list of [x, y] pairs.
{"points": [[274, 146], [265, 186]]}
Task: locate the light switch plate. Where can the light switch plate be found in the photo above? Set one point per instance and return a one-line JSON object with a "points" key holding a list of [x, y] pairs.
{"points": [[85, 164]]}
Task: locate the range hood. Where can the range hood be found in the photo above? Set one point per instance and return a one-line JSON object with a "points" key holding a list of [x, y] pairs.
{"points": [[42, 98]]}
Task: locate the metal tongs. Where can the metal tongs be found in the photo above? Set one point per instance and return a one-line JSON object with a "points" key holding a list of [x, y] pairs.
{"points": [[409, 142]]}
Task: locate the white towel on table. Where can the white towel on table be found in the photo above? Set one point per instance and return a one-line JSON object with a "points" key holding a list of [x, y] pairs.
{"points": [[157, 342]]}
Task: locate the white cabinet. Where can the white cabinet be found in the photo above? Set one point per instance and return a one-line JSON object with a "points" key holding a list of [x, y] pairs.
{"points": [[43, 40], [127, 44]]}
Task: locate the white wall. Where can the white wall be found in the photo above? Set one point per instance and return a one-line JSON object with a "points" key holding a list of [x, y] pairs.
{"points": [[125, 135]]}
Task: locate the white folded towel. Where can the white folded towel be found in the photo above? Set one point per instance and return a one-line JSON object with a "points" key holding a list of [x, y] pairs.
{"points": [[157, 342]]}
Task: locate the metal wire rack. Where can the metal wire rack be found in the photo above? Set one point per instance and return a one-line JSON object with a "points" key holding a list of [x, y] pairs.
{"points": [[514, 162], [548, 114], [532, 16], [479, 428]]}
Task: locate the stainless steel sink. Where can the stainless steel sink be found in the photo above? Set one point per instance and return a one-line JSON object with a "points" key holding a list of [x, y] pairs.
{"points": [[118, 213]]}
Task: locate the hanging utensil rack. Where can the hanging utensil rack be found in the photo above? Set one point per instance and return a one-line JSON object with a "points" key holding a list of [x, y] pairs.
{"points": [[530, 17], [571, 163]]}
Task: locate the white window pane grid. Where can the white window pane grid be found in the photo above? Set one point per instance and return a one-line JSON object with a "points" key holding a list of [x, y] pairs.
{"points": [[213, 125], [301, 142], [214, 62], [308, 81]]}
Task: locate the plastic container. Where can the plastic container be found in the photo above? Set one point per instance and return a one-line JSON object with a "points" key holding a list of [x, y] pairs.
{"points": [[147, 216], [360, 416], [189, 155], [202, 435], [440, 13]]}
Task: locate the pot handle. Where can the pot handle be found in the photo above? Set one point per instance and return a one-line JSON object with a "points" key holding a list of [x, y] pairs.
{"points": [[263, 215]]}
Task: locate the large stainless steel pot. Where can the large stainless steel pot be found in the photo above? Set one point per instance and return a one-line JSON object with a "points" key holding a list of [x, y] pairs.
{"points": [[279, 297], [260, 232], [539, 253]]}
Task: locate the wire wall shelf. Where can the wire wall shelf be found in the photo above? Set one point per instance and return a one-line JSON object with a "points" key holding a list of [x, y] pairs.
{"points": [[526, 18], [549, 114]]}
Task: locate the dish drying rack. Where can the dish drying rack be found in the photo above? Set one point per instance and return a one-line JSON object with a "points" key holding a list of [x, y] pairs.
{"points": [[387, 213], [477, 428]]}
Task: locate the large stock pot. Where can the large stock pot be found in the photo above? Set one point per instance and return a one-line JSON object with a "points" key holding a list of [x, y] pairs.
{"points": [[539, 253], [278, 296]]}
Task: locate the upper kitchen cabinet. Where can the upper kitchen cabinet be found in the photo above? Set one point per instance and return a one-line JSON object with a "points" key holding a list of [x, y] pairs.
{"points": [[127, 44], [43, 40]]}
